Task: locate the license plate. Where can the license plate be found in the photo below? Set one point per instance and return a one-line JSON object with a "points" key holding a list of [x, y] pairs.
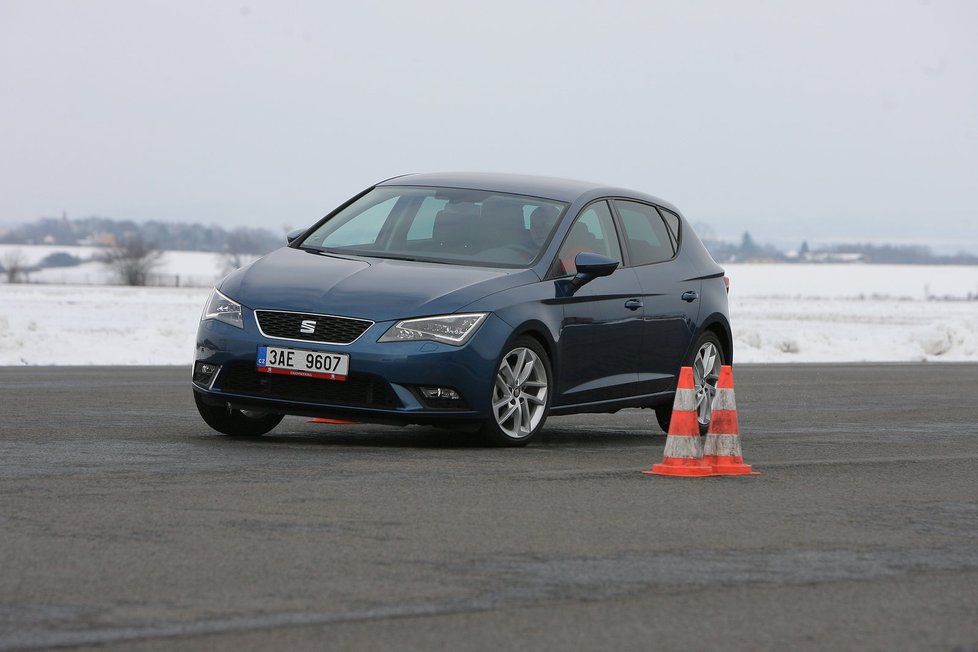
{"points": [[296, 362]]}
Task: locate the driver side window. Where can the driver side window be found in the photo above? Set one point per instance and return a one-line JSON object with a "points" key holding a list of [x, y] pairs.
{"points": [[594, 231]]}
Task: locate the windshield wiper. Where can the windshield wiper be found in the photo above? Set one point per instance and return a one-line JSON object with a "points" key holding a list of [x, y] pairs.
{"points": [[354, 254], [321, 251]]}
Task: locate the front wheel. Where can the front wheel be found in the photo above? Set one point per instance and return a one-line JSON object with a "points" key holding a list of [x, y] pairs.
{"points": [[520, 397], [239, 423], [706, 359]]}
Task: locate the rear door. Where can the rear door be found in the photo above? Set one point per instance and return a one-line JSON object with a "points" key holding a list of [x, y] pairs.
{"points": [[670, 300]]}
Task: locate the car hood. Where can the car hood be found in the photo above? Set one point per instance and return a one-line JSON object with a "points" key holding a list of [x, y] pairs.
{"points": [[368, 288]]}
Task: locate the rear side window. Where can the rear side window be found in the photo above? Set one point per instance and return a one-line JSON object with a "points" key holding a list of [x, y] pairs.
{"points": [[646, 235]]}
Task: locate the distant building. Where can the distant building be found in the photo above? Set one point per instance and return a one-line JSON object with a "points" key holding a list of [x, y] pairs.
{"points": [[832, 257]]}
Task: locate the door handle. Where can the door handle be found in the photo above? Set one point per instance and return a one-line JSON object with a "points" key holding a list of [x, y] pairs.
{"points": [[690, 296], [633, 304]]}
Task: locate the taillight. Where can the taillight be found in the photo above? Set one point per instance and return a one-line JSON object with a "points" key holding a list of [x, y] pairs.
{"points": [[726, 283]]}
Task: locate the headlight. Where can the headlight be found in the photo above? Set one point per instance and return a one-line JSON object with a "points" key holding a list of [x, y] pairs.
{"points": [[221, 308], [447, 329]]}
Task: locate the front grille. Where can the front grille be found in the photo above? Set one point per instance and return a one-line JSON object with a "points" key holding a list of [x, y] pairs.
{"points": [[326, 328], [357, 389]]}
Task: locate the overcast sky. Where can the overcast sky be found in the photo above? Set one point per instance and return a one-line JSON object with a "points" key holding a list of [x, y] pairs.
{"points": [[828, 121]]}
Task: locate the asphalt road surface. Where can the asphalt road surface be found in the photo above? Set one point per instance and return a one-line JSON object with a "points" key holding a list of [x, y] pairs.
{"points": [[126, 524]]}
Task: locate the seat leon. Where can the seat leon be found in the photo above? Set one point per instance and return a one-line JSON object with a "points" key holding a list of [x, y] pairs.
{"points": [[479, 302]]}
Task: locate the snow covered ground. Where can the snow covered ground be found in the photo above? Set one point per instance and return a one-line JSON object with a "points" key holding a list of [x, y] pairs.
{"points": [[854, 313], [94, 325], [780, 313]]}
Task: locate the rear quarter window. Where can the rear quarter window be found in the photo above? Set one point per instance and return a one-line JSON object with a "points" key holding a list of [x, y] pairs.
{"points": [[673, 222]]}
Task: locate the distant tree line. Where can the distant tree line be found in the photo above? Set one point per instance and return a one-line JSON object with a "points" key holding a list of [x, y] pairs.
{"points": [[177, 236], [745, 251], [129, 249], [748, 250], [124, 239]]}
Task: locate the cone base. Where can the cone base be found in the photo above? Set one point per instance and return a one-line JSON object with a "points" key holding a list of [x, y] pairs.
{"points": [[682, 468], [729, 465], [734, 469]]}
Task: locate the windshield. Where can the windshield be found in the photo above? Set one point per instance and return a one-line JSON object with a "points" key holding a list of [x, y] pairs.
{"points": [[471, 227]]}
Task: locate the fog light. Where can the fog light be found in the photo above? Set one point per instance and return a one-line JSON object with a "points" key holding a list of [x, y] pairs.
{"points": [[439, 392], [204, 373]]}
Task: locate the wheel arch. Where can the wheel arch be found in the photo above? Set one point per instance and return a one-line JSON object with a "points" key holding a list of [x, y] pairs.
{"points": [[719, 326], [537, 330]]}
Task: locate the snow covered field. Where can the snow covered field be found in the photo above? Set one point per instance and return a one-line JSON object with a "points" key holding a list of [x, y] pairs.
{"points": [[780, 313], [853, 313]]}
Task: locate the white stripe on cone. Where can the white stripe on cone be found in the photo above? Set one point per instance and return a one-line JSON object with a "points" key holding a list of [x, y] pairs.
{"points": [[685, 447], [722, 445]]}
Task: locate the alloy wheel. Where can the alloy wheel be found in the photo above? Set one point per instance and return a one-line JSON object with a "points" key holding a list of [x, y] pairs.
{"points": [[519, 395], [706, 372]]}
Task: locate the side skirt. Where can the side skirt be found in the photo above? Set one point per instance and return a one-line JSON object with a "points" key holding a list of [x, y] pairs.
{"points": [[613, 405]]}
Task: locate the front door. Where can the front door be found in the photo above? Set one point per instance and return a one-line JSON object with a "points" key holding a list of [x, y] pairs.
{"points": [[602, 321]]}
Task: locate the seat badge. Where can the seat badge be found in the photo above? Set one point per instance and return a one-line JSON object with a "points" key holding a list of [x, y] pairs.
{"points": [[308, 326]]}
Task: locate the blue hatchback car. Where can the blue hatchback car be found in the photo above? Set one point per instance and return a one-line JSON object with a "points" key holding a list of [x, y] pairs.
{"points": [[474, 301]]}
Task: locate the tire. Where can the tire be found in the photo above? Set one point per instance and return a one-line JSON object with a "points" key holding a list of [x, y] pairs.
{"points": [[238, 423], [663, 414], [520, 395], [705, 358]]}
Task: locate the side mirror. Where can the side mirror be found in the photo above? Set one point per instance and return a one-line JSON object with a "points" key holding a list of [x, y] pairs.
{"points": [[292, 235], [590, 266]]}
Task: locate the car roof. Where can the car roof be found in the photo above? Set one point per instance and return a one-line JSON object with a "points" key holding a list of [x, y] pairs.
{"points": [[566, 190]]}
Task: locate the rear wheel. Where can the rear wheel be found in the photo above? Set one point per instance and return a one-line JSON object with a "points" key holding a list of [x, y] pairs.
{"points": [[520, 397], [706, 359], [240, 423]]}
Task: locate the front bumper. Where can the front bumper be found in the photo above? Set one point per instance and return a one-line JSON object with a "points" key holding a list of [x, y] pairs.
{"points": [[383, 381]]}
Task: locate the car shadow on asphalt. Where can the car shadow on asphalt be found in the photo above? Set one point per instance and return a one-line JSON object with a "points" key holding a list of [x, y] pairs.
{"points": [[297, 432]]}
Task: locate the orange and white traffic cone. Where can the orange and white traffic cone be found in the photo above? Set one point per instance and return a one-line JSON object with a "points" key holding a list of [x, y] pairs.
{"points": [[683, 455], [721, 449]]}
